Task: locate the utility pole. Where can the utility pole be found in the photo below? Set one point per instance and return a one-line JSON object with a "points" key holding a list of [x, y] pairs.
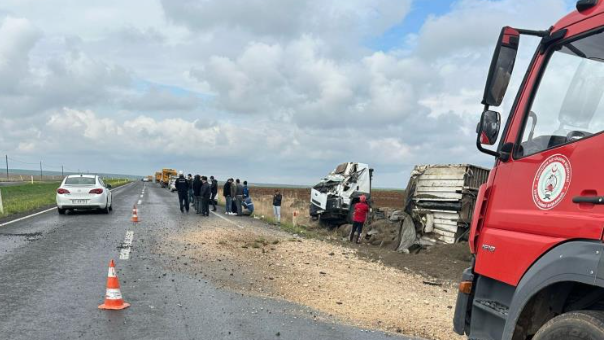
{"points": [[6, 167], [40, 171], [62, 176]]}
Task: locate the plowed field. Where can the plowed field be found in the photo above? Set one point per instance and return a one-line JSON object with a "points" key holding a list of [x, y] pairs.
{"points": [[382, 197]]}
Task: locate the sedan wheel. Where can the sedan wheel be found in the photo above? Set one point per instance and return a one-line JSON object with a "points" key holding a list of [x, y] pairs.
{"points": [[61, 211], [106, 209]]}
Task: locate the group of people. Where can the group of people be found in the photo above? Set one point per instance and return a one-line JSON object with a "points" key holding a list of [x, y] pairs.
{"points": [[237, 197], [197, 190], [201, 192]]}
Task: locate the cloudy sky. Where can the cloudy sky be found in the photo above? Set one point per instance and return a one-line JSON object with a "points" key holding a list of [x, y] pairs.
{"points": [[273, 91]]}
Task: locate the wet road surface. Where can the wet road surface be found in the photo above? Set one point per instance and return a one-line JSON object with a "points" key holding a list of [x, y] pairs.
{"points": [[54, 270]]}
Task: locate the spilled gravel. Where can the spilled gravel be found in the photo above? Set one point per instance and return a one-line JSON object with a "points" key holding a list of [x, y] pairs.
{"points": [[329, 278]]}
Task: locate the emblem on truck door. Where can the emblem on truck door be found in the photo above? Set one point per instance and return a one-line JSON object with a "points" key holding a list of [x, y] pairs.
{"points": [[551, 182]]}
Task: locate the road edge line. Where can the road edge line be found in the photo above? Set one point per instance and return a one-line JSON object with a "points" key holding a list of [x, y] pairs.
{"points": [[226, 219]]}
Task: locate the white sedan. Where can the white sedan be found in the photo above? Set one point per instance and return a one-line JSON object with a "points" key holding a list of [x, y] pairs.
{"points": [[84, 192]]}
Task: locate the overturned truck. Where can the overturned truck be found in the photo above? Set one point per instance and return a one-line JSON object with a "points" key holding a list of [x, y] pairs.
{"points": [[440, 200]]}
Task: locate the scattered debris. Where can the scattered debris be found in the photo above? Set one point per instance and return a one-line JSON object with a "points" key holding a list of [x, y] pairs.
{"points": [[327, 277]]}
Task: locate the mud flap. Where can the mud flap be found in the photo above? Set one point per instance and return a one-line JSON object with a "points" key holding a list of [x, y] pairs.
{"points": [[462, 312]]}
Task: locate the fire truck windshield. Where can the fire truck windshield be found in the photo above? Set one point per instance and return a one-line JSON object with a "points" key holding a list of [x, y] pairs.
{"points": [[567, 105]]}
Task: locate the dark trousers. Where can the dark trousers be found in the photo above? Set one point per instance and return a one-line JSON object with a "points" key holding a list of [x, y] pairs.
{"points": [[213, 201], [183, 199], [197, 204], [205, 206], [356, 226]]}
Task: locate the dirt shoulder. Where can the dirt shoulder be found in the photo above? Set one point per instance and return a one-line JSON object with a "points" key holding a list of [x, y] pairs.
{"points": [[338, 281], [441, 263]]}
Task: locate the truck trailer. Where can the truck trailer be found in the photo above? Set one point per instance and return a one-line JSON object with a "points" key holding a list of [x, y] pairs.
{"points": [[440, 199], [538, 228], [332, 200]]}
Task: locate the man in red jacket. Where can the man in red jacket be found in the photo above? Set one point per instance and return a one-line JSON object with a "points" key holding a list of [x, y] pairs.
{"points": [[358, 219]]}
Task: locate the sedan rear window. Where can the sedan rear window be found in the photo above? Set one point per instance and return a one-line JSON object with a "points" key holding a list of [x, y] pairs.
{"points": [[80, 181]]}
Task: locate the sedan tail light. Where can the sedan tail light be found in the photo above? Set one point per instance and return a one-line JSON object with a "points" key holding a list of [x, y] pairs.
{"points": [[96, 191], [62, 191]]}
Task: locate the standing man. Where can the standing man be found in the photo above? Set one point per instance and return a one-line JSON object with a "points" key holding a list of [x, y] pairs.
{"points": [[358, 219], [182, 186], [246, 190], [226, 192], [239, 197], [277, 205], [205, 196], [213, 191], [233, 197], [197, 194], [190, 179]]}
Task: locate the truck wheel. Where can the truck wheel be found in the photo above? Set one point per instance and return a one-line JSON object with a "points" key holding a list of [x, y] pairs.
{"points": [[580, 325]]}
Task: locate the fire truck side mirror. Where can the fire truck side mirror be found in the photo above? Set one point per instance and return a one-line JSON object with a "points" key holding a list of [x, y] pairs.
{"points": [[488, 128], [501, 67]]}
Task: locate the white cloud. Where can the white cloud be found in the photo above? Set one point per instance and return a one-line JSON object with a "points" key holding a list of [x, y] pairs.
{"points": [[277, 90]]}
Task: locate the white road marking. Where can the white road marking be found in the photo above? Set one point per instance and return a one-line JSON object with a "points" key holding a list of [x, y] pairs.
{"points": [[226, 219], [44, 211], [141, 196], [139, 202], [28, 216], [126, 246]]}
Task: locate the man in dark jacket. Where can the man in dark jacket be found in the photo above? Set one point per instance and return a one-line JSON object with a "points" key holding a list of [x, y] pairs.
{"points": [[182, 186], [213, 191], [239, 196], [197, 194], [205, 196], [277, 197], [226, 192]]}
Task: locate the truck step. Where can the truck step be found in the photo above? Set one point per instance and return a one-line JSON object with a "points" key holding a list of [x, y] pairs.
{"points": [[493, 307]]}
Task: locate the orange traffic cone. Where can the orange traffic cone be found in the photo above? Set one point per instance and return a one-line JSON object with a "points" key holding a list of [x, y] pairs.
{"points": [[135, 214], [113, 296]]}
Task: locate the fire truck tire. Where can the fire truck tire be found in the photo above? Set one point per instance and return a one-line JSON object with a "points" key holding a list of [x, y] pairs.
{"points": [[580, 325]]}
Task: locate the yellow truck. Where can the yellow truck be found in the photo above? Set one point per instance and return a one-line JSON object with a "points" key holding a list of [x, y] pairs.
{"points": [[158, 177], [166, 174]]}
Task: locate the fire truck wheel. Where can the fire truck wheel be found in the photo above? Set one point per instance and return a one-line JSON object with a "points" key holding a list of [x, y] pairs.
{"points": [[581, 325]]}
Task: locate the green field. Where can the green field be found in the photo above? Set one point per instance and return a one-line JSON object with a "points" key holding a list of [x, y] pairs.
{"points": [[27, 197]]}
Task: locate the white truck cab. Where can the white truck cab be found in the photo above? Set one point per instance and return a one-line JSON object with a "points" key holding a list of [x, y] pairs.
{"points": [[333, 197]]}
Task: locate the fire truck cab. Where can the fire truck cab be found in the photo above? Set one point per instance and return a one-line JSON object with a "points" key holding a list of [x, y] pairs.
{"points": [[537, 231]]}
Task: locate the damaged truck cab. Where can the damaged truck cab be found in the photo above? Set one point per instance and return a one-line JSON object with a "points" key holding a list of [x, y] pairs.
{"points": [[332, 199], [538, 225]]}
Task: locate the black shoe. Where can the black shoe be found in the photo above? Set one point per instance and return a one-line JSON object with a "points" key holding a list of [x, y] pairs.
{"points": [[214, 209]]}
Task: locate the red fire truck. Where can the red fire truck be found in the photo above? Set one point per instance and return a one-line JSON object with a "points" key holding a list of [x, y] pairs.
{"points": [[537, 233]]}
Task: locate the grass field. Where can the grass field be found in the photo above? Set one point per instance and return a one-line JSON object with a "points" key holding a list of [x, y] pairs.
{"points": [[27, 197]]}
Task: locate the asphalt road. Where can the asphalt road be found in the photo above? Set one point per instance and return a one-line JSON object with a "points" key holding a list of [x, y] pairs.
{"points": [[54, 270]]}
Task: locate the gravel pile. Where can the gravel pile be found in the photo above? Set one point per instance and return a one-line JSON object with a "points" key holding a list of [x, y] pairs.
{"points": [[327, 277]]}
